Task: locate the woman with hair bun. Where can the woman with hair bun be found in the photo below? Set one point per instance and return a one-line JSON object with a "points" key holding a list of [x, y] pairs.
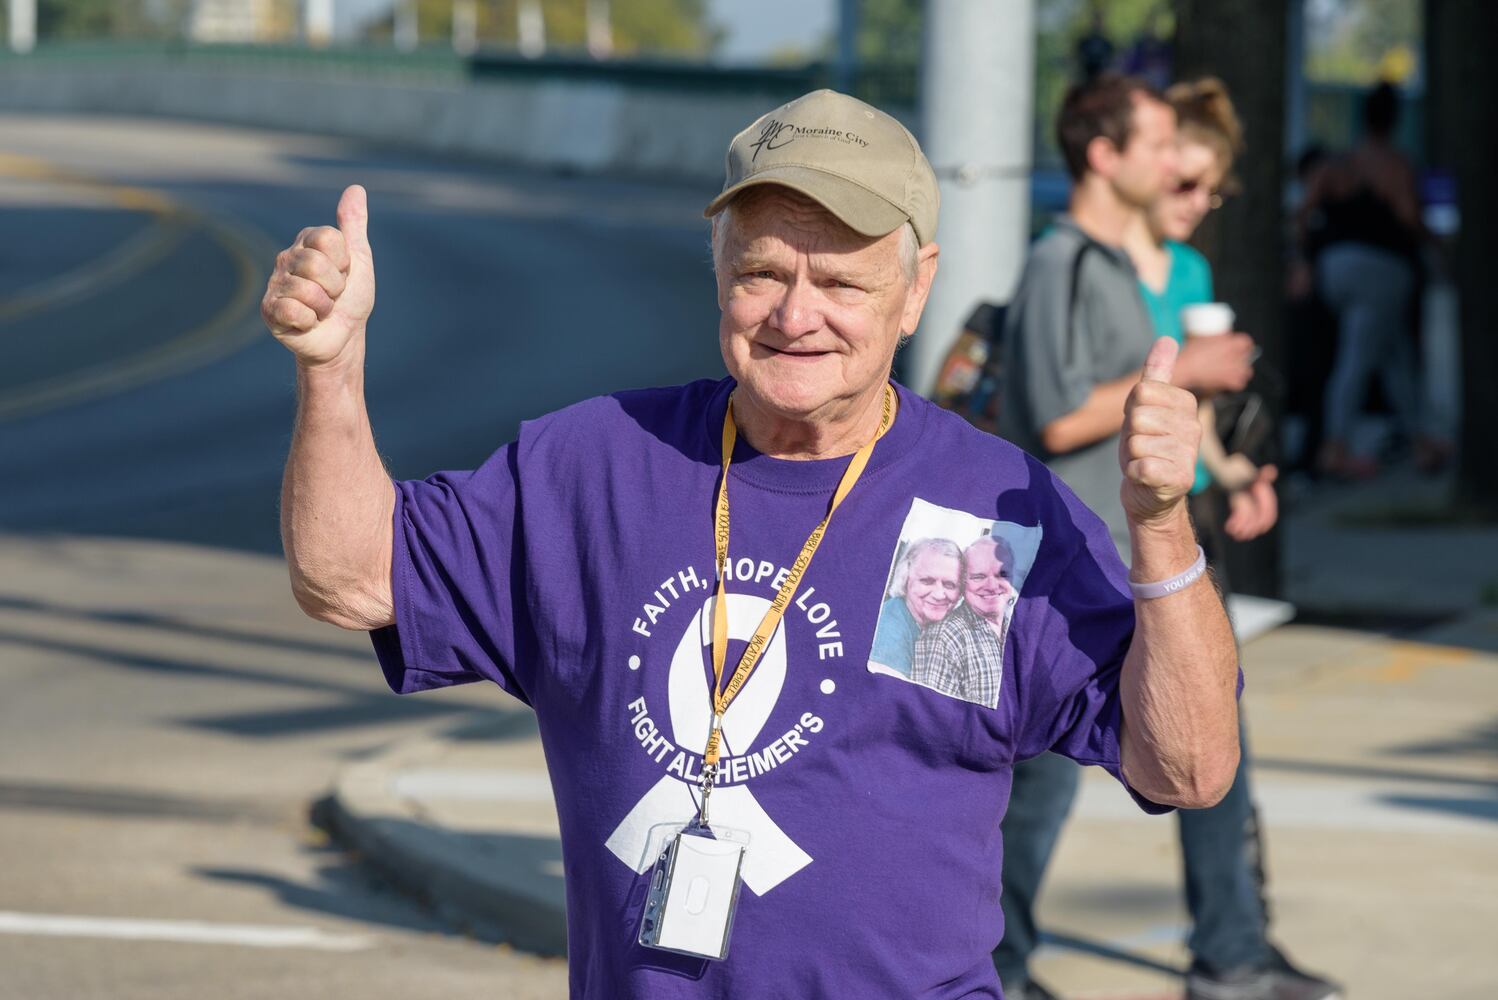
{"points": [[1221, 848], [1173, 275]]}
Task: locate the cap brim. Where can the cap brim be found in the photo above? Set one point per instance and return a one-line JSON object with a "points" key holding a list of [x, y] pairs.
{"points": [[854, 205]]}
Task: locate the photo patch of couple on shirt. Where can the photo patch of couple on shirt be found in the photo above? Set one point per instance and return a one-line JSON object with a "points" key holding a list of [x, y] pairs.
{"points": [[953, 582]]}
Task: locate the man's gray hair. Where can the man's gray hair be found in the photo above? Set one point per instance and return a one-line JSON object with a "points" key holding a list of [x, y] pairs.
{"points": [[909, 251], [901, 576], [1001, 551]]}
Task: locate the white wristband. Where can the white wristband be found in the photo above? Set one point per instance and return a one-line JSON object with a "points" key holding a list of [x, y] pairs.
{"points": [[1177, 583]]}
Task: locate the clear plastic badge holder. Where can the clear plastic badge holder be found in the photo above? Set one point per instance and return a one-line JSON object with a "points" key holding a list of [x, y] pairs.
{"points": [[694, 888]]}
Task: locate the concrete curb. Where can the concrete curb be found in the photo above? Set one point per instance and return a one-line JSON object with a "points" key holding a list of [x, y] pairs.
{"points": [[478, 892]]}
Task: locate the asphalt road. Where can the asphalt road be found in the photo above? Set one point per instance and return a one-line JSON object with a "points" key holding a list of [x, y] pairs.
{"points": [[139, 395], [168, 713]]}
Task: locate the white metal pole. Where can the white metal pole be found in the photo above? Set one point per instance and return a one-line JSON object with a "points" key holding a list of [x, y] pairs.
{"points": [[407, 32], [977, 100], [465, 27], [317, 22], [600, 30], [530, 29], [22, 24]]}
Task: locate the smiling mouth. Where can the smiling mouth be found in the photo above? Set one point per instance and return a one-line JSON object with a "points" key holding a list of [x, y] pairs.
{"points": [[800, 354]]}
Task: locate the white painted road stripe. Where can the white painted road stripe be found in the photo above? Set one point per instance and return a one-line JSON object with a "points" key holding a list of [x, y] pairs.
{"points": [[471, 785], [183, 931], [1385, 806]]}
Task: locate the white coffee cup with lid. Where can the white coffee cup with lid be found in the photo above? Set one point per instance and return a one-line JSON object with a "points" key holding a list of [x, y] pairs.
{"points": [[1207, 319]]}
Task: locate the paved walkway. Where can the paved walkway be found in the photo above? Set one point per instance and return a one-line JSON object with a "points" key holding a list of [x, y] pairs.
{"points": [[1377, 777]]}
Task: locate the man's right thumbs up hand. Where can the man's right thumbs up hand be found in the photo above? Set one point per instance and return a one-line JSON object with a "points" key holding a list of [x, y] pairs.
{"points": [[322, 290]]}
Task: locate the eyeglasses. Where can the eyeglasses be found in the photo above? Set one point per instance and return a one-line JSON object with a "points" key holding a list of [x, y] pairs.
{"points": [[1186, 187]]}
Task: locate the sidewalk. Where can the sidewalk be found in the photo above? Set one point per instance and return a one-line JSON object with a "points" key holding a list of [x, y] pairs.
{"points": [[1358, 550], [1377, 780]]}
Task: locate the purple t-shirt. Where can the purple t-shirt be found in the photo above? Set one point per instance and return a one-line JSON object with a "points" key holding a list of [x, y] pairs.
{"points": [[575, 569]]}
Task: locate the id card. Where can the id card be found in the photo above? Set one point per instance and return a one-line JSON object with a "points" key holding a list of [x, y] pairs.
{"points": [[694, 890]]}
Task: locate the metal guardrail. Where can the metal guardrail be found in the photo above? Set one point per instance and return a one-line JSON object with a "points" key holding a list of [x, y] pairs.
{"points": [[1332, 109], [892, 87], [435, 62], [883, 86]]}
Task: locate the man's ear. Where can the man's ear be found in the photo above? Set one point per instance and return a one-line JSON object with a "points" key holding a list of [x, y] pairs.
{"points": [[920, 290], [1102, 156]]}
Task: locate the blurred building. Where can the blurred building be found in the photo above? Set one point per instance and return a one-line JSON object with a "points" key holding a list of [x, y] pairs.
{"points": [[241, 20]]}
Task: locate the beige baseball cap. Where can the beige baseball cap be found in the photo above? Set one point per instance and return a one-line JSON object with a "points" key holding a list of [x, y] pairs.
{"points": [[854, 160]]}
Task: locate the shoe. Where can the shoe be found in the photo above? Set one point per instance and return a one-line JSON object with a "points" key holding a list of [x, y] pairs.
{"points": [[1338, 464], [1432, 455], [1277, 979]]}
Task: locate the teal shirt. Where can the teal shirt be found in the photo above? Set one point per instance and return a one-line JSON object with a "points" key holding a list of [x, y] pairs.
{"points": [[895, 635], [1188, 280]]}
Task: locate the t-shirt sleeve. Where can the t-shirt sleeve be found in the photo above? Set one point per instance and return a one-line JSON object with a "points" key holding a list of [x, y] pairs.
{"points": [[455, 574], [1077, 625], [1050, 367]]}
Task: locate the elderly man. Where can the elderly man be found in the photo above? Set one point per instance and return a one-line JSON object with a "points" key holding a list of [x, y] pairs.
{"points": [[924, 586], [670, 643], [964, 654]]}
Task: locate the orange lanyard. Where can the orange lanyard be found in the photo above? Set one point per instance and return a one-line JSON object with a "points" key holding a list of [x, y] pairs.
{"points": [[724, 696]]}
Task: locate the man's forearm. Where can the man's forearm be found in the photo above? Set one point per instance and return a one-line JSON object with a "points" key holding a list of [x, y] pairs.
{"points": [[1100, 416], [337, 502], [1179, 684]]}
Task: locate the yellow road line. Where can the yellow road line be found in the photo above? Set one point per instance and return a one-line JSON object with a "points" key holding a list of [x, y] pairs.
{"points": [[136, 254], [228, 330], [1406, 660], [124, 195]]}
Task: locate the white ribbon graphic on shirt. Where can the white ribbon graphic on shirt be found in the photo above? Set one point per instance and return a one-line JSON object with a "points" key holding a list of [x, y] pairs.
{"points": [[772, 856]]}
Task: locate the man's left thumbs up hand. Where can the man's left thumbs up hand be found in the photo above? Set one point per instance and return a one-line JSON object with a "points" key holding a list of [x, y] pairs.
{"points": [[1157, 447]]}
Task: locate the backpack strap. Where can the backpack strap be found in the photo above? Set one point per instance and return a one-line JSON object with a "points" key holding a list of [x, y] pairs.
{"points": [[1071, 303]]}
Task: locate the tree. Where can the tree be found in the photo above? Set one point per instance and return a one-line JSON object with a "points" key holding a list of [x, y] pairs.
{"points": [[889, 32], [1061, 25], [90, 18], [1360, 36], [1237, 41]]}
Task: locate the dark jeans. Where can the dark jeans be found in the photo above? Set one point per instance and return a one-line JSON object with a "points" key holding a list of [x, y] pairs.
{"points": [[1221, 857], [1038, 804], [1220, 850]]}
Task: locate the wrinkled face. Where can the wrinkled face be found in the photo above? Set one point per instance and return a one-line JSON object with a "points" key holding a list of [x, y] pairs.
{"points": [[811, 311], [986, 584], [1143, 169], [932, 587], [1190, 194]]}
